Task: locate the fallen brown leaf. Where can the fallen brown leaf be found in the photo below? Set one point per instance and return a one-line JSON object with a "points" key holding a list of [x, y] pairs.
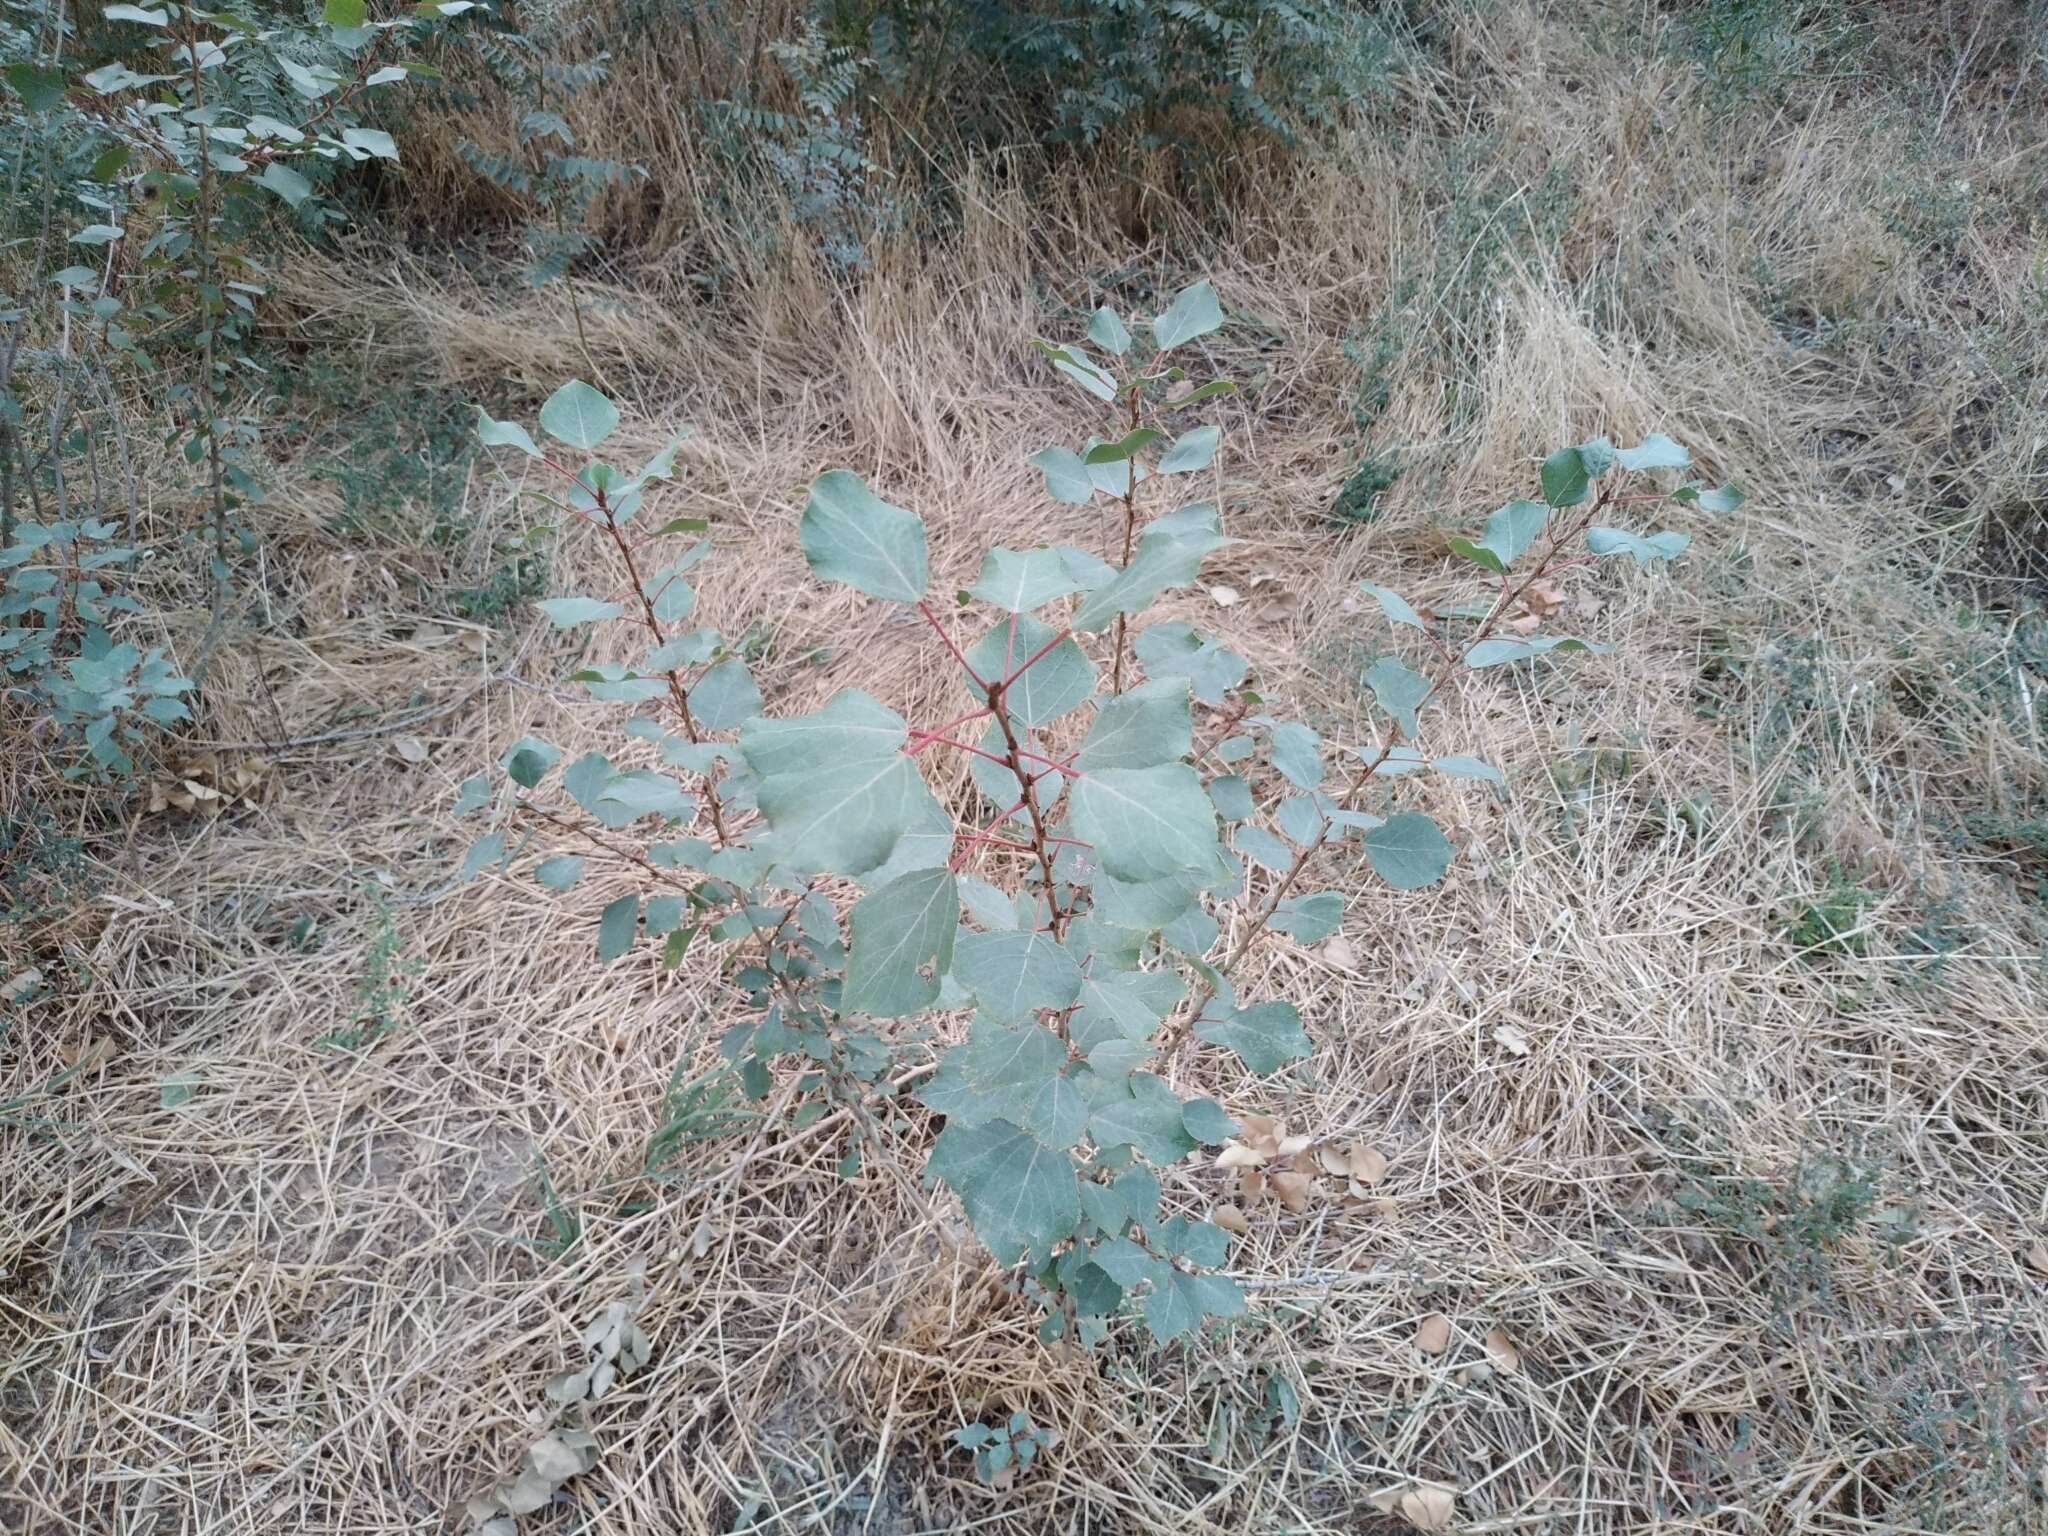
{"points": [[1433, 1334], [1291, 1189], [1501, 1351], [1429, 1509]]}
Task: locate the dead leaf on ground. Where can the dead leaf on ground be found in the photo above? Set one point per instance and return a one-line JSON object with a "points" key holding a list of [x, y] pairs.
{"points": [[1340, 952], [1225, 596], [1511, 1039], [2038, 1257], [1231, 1219], [1433, 1334], [1292, 1190], [411, 748], [1501, 1352], [209, 782], [1429, 1509]]}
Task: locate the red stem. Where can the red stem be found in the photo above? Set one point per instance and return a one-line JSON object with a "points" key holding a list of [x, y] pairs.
{"points": [[939, 629]]}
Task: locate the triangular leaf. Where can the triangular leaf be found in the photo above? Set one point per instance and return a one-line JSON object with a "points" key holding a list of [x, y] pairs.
{"points": [[1020, 1194], [902, 943], [578, 415], [1194, 312], [850, 534]]}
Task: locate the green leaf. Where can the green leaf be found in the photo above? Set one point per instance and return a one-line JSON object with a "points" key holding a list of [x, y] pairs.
{"points": [[628, 796], [1231, 796], [1143, 1113], [902, 943], [1146, 822], [1654, 452], [850, 534], [1177, 649], [1066, 475], [1307, 919], [1113, 1007], [110, 163], [1139, 728], [1208, 391], [1266, 1036], [725, 697], [617, 926], [1258, 844], [177, 1089], [993, 1073], [1058, 681], [1169, 555], [1727, 499], [1467, 768], [1057, 1114], [1125, 1262], [39, 89], [1194, 312], [1296, 755], [1095, 1295], [1180, 1301], [1567, 476], [1081, 368], [528, 759], [578, 415], [503, 434], [559, 872], [1192, 451], [344, 13], [1493, 653], [1106, 330], [1206, 1122], [851, 729], [1122, 448], [563, 612], [1409, 851], [294, 189], [1014, 974], [1018, 583], [1399, 689], [1019, 1193], [473, 795], [1508, 532], [847, 819], [1667, 545], [1396, 607], [485, 851]]}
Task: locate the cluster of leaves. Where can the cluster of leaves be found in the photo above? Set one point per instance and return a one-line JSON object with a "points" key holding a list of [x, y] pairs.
{"points": [[614, 1348], [1003, 1451], [816, 155], [1142, 74], [148, 150], [1097, 957], [547, 171], [55, 648]]}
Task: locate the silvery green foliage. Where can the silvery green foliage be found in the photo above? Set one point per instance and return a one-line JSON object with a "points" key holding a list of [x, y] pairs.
{"points": [[1072, 916], [55, 607]]}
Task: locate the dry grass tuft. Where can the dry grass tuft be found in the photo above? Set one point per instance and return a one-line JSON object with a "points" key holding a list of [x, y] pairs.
{"points": [[1722, 1234]]}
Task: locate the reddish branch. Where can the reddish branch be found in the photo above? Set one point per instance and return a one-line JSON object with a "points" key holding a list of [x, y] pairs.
{"points": [[1503, 601]]}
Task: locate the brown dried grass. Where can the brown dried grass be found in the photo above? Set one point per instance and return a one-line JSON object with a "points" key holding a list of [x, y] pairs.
{"points": [[298, 1302]]}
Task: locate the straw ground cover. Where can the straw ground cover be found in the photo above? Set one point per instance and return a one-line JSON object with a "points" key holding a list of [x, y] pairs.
{"points": [[1710, 1085]]}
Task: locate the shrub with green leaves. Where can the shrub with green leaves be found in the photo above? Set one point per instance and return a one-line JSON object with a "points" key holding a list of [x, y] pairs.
{"points": [[1136, 795]]}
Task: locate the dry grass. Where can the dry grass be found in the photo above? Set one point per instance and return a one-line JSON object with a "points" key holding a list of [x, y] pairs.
{"points": [[1599, 1069]]}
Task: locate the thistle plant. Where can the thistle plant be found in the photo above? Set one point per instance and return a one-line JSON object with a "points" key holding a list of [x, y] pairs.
{"points": [[1076, 919]]}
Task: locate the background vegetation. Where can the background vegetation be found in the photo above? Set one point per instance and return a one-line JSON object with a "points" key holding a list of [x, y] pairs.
{"points": [[1699, 1168]]}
